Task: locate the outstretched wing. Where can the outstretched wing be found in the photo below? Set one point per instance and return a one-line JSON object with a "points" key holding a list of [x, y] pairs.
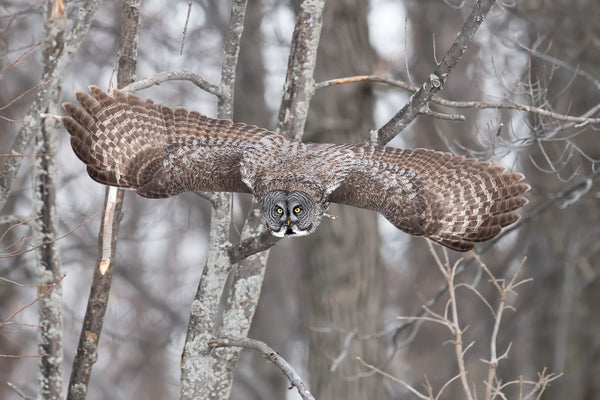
{"points": [[451, 200], [133, 143]]}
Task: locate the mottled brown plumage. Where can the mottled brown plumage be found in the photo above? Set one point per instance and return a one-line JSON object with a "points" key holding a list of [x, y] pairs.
{"points": [[160, 152]]}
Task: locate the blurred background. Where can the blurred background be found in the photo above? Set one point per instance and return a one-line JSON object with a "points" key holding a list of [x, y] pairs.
{"points": [[334, 295]]}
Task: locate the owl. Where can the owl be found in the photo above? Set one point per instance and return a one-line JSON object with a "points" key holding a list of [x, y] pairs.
{"points": [[160, 152]]}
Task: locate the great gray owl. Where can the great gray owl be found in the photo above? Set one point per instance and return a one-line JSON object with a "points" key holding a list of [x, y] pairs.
{"points": [[160, 152]]}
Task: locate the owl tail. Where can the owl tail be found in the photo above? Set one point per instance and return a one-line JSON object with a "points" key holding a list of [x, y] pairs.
{"points": [[107, 136], [475, 205]]}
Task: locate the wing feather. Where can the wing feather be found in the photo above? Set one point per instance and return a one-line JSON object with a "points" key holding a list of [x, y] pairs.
{"points": [[452, 200], [133, 143], [159, 151]]}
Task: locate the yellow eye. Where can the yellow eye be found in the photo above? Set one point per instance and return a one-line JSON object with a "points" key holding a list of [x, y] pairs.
{"points": [[279, 210], [297, 210]]}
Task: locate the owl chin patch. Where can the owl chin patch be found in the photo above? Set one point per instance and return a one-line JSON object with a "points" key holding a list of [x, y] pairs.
{"points": [[290, 231]]}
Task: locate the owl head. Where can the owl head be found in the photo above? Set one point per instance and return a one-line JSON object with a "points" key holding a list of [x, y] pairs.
{"points": [[290, 213]]}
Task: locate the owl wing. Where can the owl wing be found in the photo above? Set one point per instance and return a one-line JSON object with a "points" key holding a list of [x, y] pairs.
{"points": [[160, 152], [452, 200]]}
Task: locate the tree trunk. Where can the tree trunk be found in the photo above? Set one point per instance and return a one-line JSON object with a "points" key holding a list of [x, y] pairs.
{"points": [[45, 181], [343, 266]]}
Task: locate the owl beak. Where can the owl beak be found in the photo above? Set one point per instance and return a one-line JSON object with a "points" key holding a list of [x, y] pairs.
{"points": [[288, 222]]}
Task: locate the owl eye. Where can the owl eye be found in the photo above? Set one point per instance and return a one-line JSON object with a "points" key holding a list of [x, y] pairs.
{"points": [[297, 210], [279, 210]]}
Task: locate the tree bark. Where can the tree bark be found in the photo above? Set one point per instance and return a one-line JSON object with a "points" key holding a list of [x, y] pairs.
{"points": [[45, 182]]}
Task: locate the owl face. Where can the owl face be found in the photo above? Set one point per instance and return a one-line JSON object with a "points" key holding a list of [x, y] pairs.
{"points": [[290, 213]]}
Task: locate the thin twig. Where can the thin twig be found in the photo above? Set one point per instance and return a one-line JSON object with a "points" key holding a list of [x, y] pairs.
{"points": [[439, 115], [15, 221], [18, 284], [515, 106], [345, 348], [185, 26], [406, 385], [18, 391], [24, 356], [555, 61], [38, 298], [31, 89], [18, 60], [52, 240]]}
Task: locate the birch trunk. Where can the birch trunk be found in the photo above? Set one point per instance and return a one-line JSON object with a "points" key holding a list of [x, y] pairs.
{"points": [[45, 177]]}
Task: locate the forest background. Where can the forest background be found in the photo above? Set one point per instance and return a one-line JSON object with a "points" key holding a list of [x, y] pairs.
{"points": [[516, 83]]}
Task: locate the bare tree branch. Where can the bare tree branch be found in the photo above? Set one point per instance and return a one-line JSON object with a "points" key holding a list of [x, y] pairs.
{"points": [[518, 107], [18, 60], [449, 318], [366, 78], [185, 26], [458, 104], [18, 391], [31, 89], [452, 322], [184, 75], [406, 385], [93, 321], [30, 221], [562, 64], [437, 80], [43, 293], [251, 246], [271, 355]]}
